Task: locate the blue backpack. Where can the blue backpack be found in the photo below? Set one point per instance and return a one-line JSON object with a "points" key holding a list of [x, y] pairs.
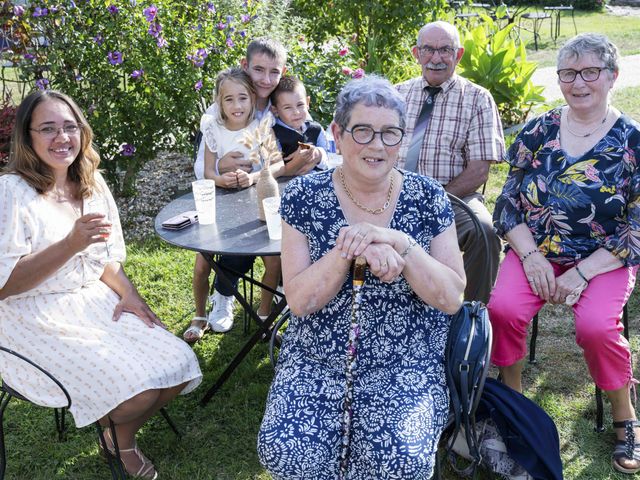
{"points": [[467, 363]]}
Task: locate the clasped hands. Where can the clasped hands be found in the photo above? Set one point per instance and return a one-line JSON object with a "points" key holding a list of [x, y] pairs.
{"points": [[547, 286], [376, 245]]}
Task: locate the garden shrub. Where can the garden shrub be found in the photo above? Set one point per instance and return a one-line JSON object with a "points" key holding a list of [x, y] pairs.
{"points": [[492, 59], [140, 70], [7, 120]]}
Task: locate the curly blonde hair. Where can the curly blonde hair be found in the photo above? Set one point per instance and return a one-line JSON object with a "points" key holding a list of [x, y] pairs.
{"points": [[24, 161]]}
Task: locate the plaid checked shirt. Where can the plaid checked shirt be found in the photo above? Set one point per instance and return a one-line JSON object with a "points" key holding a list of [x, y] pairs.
{"points": [[464, 127]]}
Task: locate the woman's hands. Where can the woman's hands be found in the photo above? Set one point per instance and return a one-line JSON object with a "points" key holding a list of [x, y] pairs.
{"points": [[353, 240], [132, 302], [376, 244], [383, 261], [540, 275], [88, 229]]}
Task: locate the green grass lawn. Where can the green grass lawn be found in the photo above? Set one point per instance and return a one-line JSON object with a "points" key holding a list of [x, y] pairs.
{"points": [[218, 440]]}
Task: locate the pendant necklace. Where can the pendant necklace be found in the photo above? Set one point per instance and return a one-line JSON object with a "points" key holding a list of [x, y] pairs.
{"points": [[585, 135]]}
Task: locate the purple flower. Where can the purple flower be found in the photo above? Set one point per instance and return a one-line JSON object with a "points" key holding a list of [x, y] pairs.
{"points": [[245, 18], [40, 12], [137, 73], [133, 3], [357, 73], [230, 43], [198, 58], [198, 85], [150, 13], [211, 8], [221, 26], [113, 10], [127, 150], [242, 33], [72, 5], [115, 58], [154, 29], [99, 39], [79, 78], [161, 42], [29, 56], [53, 9], [229, 18], [18, 10], [42, 83]]}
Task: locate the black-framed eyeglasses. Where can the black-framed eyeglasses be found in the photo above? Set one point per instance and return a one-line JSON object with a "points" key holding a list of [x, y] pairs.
{"points": [[363, 134], [52, 132], [428, 51], [589, 74]]}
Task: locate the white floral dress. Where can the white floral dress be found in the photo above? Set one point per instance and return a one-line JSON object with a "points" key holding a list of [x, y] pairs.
{"points": [[401, 399], [65, 323]]}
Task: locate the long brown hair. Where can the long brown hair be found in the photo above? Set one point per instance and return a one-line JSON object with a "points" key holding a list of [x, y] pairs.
{"points": [[237, 75], [23, 160]]}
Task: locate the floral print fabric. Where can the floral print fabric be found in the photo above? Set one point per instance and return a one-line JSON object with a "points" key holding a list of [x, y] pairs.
{"points": [[400, 400], [574, 206]]}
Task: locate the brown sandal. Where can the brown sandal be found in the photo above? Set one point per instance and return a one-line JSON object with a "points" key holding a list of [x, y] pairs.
{"points": [[627, 448]]}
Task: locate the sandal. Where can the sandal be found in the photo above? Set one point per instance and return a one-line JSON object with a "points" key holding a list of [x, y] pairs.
{"points": [[195, 332], [146, 471], [627, 448]]}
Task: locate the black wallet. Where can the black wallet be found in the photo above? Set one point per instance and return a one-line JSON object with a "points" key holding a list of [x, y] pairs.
{"points": [[181, 221]]}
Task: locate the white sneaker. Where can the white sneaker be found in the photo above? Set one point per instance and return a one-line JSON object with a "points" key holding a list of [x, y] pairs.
{"points": [[221, 315]]}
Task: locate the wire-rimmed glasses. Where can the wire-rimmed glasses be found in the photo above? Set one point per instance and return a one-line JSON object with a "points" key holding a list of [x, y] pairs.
{"points": [[428, 51], [69, 129], [363, 134]]}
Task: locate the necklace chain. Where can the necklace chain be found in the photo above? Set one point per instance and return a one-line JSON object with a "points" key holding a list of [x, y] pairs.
{"points": [[373, 211], [585, 135]]}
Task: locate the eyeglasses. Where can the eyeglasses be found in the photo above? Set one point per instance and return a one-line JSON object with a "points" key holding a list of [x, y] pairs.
{"points": [[590, 74], [364, 134], [52, 132], [427, 51]]}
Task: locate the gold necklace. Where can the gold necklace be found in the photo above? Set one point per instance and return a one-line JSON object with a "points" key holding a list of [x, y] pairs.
{"points": [[373, 211], [585, 135]]}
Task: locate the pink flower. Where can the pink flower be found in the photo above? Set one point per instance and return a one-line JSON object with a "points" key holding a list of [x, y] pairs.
{"points": [[592, 173], [346, 71], [357, 73], [343, 51]]}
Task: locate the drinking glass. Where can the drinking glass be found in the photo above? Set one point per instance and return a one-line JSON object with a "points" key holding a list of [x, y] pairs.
{"points": [[100, 205]]}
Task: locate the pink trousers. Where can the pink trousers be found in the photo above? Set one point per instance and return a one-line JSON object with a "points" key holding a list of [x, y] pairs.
{"points": [[597, 320]]}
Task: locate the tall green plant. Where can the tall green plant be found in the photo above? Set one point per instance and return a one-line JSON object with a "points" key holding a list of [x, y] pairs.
{"points": [[494, 60], [139, 69], [377, 28]]}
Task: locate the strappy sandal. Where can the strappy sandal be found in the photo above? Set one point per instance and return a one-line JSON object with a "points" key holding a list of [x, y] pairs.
{"points": [[195, 332], [147, 470], [627, 448]]}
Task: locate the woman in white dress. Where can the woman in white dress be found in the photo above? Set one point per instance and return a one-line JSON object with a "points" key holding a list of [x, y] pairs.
{"points": [[65, 301]]}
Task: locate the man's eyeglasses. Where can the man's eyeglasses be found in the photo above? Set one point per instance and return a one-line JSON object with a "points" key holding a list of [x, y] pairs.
{"points": [[590, 74], [52, 132], [427, 51], [364, 134]]}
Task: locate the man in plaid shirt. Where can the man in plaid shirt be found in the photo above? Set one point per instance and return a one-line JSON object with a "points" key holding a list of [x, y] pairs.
{"points": [[461, 138]]}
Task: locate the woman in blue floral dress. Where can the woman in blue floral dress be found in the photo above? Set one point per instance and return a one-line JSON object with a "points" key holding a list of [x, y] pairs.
{"points": [[402, 224], [570, 211]]}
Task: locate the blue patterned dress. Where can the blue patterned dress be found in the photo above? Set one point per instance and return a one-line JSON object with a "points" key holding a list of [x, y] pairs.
{"points": [[400, 395]]}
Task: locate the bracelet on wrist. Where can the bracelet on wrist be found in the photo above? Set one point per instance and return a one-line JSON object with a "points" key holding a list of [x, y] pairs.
{"points": [[528, 254], [412, 243], [581, 274]]}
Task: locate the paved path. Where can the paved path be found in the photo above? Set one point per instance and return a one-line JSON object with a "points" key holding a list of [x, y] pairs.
{"points": [[629, 77]]}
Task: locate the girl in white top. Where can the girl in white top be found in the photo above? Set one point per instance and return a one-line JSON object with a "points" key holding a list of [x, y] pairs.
{"points": [[223, 129]]}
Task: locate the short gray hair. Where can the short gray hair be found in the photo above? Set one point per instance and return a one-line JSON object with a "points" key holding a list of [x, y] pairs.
{"points": [[590, 43], [451, 29], [371, 90]]}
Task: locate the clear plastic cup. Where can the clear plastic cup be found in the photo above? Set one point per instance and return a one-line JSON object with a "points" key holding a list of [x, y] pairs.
{"points": [[204, 194], [274, 222]]}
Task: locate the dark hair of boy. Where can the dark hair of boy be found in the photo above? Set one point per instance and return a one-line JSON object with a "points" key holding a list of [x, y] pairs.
{"points": [[287, 83]]}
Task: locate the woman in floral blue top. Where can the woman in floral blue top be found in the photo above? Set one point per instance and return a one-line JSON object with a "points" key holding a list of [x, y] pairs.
{"points": [[570, 212], [379, 416]]}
